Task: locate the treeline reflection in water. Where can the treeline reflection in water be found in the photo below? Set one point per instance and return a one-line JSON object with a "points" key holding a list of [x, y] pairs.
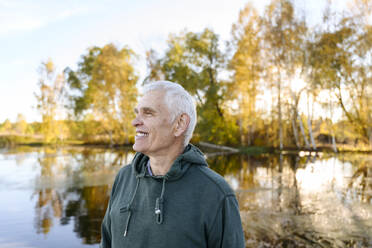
{"points": [[293, 201], [285, 200]]}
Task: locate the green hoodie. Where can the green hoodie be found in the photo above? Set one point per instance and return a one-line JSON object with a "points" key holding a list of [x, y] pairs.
{"points": [[191, 206]]}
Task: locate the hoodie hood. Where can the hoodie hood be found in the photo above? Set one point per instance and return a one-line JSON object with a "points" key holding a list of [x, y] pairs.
{"points": [[191, 156]]}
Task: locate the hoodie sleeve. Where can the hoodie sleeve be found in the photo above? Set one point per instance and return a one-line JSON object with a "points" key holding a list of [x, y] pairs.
{"points": [[105, 230], [227, 231], [106, 223]]}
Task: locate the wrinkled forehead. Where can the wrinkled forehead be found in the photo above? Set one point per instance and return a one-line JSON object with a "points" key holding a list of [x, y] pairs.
{"points": [[153, 99]]}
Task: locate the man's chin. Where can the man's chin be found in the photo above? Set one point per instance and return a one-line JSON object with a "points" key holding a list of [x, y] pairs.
{"points": [[138, 148], [135, 148]]}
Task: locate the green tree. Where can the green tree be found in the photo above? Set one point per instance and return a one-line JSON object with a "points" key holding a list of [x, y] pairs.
{"points": [[195, 61], [104, 85]]}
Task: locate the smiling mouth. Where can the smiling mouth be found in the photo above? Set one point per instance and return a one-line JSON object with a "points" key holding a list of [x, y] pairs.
{"points": [[141, 134]]}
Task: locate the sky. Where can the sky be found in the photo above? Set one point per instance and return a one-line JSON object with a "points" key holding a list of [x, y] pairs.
{"points": [[31, 31]]}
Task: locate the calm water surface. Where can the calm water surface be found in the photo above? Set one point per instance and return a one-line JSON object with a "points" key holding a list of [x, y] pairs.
{"points": [[57, 197]]}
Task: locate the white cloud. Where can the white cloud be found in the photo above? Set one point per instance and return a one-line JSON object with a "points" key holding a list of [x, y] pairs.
{"points": [[19, 62], [70, 13], [20, 16], [19, 23]]}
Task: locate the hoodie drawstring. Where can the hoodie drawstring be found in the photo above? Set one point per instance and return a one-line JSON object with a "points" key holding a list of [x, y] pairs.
{"points": [[128, 208], [159, 205]]}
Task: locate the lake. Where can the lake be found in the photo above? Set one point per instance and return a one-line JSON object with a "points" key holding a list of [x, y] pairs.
{"points": [[57, 197]]}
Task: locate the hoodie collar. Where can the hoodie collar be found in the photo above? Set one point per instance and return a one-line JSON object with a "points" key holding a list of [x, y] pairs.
{"points": [[191, 156]]}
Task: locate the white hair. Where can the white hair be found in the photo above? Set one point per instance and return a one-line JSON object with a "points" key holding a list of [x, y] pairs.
{"points": [[178, 101]]}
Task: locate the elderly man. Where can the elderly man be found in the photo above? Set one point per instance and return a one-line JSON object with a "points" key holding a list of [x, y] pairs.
{"points": [[168, 197]]}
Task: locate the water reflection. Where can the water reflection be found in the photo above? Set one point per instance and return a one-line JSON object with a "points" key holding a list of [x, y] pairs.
{"points": [[85, 207], [285, 200], [70, 188], [298, 201], [73, 185]]}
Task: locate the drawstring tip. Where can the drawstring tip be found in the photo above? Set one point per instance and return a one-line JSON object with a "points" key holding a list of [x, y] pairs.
{"points": [[158, 210], [125, 233]]}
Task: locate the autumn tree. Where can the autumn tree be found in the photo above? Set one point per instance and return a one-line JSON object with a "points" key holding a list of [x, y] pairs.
{"points": [[50, 101], [6, 127], [21, 124], [195, 61], [282, 39], [247, 68], [341, 60], [103, 90]]}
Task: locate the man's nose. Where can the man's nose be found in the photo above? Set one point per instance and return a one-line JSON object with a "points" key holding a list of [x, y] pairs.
{"points": [[137, 121]]}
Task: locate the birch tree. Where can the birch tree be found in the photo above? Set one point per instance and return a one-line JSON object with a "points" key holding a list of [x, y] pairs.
{"points": [[282, 39], [50, 101], [246, 65]]}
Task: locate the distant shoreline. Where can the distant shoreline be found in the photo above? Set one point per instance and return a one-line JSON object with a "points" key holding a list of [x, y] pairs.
{"points": [[24, 140]]}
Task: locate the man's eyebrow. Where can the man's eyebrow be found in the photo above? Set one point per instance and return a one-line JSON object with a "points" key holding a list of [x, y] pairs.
{"points": [[145, 109], [148, 109]]}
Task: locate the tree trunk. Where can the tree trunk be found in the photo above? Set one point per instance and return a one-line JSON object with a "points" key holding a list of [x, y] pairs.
{"points": [[111, 140], [242, 139], [311, 133], [280, 117], [295, 134], [334, 143], [250, 134], [309, 117], [303, 132]]}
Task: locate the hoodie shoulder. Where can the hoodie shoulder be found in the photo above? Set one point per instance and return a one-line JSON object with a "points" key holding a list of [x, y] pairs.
{"points": [[193, 155], [217, 180], [125, 169], [123, 173], [129, 169]]}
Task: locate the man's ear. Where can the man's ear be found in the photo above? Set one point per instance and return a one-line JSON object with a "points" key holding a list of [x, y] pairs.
{"points": [[182, 124]]}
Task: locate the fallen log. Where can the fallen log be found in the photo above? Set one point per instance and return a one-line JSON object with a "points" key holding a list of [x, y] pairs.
{"points": [[226, 148]]}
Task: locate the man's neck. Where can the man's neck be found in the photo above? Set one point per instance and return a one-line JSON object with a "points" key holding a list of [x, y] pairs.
{"points": [[161, 164]]}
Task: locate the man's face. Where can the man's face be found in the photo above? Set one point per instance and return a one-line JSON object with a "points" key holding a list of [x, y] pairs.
{"points": [[154, 131]]}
